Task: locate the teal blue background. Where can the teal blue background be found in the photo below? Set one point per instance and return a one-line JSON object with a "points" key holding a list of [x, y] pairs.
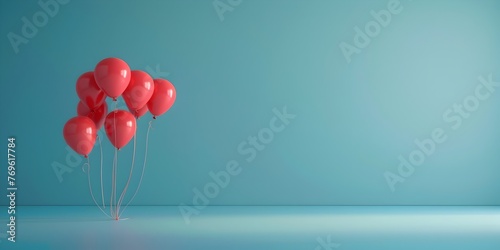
{"points": [[353, 119]]}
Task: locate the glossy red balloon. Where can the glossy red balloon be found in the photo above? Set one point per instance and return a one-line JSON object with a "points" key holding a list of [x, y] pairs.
{"points": [[139, 90], [97, 115], [120, 126], [138, 112], [88, 91], [163, 97], [112, 76], [82, 109], [80, 134]]}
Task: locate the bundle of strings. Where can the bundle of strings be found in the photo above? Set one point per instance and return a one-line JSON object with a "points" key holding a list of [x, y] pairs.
{"points": [[115, 211]]}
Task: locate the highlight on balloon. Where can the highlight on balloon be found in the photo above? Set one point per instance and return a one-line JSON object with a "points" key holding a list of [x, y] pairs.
{"points": [[113, 78]]}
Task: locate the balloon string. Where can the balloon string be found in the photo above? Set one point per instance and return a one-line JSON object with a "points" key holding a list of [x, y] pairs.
{"points": [[129, 178], [102, 187], [111, 193], [116, 183], [90, 185], [115, 167], [143, 167], [113, 183]]}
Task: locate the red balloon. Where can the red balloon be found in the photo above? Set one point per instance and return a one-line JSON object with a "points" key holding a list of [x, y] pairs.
{"points": [[97, 116], [82, 109], [80, 134], [139, 90], [138, 112], [163, 97], [88, 91], [112, 76], [120, 126]]}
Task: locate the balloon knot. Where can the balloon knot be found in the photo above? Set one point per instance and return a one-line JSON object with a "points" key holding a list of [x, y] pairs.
{"points": [[154, 117]]}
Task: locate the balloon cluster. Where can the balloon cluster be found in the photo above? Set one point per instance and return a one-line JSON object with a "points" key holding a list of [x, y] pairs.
{"points": [[112, 78]]}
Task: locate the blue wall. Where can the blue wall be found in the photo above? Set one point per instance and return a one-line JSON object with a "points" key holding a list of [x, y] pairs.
{"points": [[236, 65]]}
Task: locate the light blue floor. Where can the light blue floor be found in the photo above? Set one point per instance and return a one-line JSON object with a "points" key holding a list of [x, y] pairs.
{"points": [[236, 227]]}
